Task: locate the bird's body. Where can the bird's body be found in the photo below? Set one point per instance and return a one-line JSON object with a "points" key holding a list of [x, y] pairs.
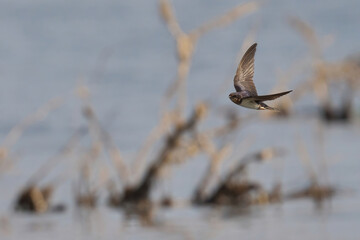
{"points": [[246, 102], [246, 94]]}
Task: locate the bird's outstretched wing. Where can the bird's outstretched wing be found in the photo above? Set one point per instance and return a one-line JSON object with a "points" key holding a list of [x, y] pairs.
{"points": [[270, 97], [243, 79]]}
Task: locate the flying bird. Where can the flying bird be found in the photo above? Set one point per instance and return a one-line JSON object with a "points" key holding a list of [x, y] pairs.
{"points": [[246, 94]]}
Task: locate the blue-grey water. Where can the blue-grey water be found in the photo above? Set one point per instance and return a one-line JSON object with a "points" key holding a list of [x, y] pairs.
{"points": [[125, 53]]}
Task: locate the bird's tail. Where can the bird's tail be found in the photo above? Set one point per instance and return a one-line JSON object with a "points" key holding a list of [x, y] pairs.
{"points": [[263, 106]]}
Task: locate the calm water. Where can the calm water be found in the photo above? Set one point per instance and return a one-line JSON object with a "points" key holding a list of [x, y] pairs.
{"points": [[124, 51]]}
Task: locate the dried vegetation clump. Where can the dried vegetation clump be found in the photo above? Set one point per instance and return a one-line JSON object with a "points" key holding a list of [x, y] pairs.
{"points": [[327, 77], [236, 189], [178, 138]]}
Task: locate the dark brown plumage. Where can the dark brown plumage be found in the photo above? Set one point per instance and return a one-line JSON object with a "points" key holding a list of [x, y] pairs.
{"points": [[246, 94]]}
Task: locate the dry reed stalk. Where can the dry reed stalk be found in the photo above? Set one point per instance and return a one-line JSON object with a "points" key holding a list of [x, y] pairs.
{"points": [[320, 83], [140, 192], [186, 45], [216, 158], [40, 114], [309, 35], [315, 190], [340, 72], [164, 124], [64, 152], [34, 198], [85, 192], [116, 157], [203, 142], [16, 132], [226, 18], [197, 142], [324, 73], [230, 192], [169, 17], [100, 136], [93, 178], [188, 147]]}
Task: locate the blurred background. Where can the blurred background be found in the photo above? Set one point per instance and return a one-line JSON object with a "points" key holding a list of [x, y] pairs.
{"points": [[116, 122]]}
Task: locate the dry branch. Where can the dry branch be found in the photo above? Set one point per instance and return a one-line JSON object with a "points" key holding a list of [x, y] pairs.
{"points": [[186, 44], [230, 192], [16, 132], [140, 192]]}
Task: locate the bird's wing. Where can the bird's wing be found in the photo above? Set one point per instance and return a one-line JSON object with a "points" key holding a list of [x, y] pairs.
{"points": [[243, 79], [270, 97]]}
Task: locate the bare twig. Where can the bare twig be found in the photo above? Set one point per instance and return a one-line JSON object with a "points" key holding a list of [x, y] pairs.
{"points": [[66, 150], [38, 115], [229, 192], [226, 18], [186, 44], [140, 192]]}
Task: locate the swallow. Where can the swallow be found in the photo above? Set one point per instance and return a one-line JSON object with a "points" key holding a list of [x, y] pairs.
{"points": [[246, 94]]}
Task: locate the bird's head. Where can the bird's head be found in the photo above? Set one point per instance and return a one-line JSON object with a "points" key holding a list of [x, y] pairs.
{"points": [[235, 97]]}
